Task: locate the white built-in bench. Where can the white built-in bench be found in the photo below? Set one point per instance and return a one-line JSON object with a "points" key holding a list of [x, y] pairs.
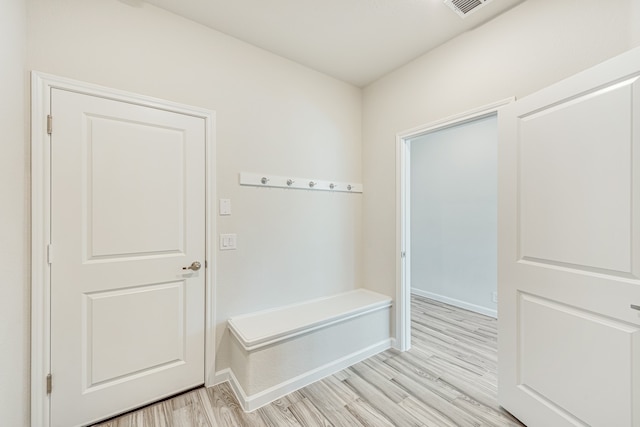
{"points": [[278, 351]]}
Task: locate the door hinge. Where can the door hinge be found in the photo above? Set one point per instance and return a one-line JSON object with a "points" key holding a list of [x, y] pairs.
{"points": [[49, 124], [49, 384], [403, 254], [205, 264], [50, 253]]}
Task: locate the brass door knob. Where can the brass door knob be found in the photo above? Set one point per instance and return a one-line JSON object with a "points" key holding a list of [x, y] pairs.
{"points": [[195, 266]]}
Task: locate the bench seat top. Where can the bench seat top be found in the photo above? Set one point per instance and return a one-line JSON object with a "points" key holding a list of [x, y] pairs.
{"points": [[262, 328]]}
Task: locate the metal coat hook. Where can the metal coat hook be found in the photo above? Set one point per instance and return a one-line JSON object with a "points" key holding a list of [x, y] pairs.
{"points": [[312, 184], [264, 180], [290, 182]]}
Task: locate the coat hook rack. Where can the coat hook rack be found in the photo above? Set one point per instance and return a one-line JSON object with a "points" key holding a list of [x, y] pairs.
{"points": [[258, 180]]}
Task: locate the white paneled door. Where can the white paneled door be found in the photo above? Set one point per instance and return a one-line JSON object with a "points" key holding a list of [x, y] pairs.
{"points": [[127, 218], [569, 250]]}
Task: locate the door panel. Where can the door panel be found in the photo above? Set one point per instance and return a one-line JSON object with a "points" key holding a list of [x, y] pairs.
{"points": [[575, 189], [601, 396], [147, 348], [127, 215], [568, 250]]}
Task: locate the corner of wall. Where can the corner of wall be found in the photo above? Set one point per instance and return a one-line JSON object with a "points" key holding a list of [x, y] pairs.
{"points": [[14, 227]]}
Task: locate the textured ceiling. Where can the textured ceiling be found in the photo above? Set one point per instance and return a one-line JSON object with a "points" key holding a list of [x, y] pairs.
{"points": [[357, 41]]}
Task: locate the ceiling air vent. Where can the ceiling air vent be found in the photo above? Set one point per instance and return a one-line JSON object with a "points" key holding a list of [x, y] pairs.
{"points": [[465, 8]]}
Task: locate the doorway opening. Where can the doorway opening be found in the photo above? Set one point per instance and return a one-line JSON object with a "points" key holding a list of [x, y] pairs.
{"points": [[447, 282]]}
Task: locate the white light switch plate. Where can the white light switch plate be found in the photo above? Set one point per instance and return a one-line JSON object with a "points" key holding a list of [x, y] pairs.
{"points": [[225, 207], [228, 242]]}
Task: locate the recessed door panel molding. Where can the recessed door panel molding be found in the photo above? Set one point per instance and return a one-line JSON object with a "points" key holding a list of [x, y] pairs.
{"points": [[575, 183], [125, 216], [147, 349], [602, 396]]}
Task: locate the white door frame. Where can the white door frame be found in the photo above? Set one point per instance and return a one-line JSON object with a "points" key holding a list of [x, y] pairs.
{"points": [[41, 86], [403, 212]]}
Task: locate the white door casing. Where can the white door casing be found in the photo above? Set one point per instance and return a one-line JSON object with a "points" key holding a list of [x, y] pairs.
{"points": [[122, 323], [569, 250], [403, 212]]}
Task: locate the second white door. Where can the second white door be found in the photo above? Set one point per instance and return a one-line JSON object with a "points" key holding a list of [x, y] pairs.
{"points": [[569, 250]]}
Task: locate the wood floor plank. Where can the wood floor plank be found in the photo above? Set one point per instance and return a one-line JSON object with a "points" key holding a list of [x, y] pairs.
{"points": [[375, 378], [134, 419], [458, 378], [376, 362], [308, 415], [329, 400], [434, 400], [381, 402], [368, 416], [343, 392], [292, 398], [447, 379], [158, 415], [456, 354], [342, 375], [483, 413], [226, 410], [278, 414], [403, 364], [188, 410], [428, 382], [202, 397], [428, 415]]}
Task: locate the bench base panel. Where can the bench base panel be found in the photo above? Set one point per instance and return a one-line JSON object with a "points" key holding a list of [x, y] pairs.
{"points": [[265, 397], [262, 375]]}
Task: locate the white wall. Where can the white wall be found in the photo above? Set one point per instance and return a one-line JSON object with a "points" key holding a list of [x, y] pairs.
{"points": [[14, 209], [273, 116], [454, 201], [525, 49]]}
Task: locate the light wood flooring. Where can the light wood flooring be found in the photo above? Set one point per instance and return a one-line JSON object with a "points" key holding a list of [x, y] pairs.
{"points": [[447, 379]]}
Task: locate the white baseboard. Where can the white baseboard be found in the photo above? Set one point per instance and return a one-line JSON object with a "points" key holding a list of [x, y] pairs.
{"points": [[221, 376], [457, 303], [251, 403]]}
